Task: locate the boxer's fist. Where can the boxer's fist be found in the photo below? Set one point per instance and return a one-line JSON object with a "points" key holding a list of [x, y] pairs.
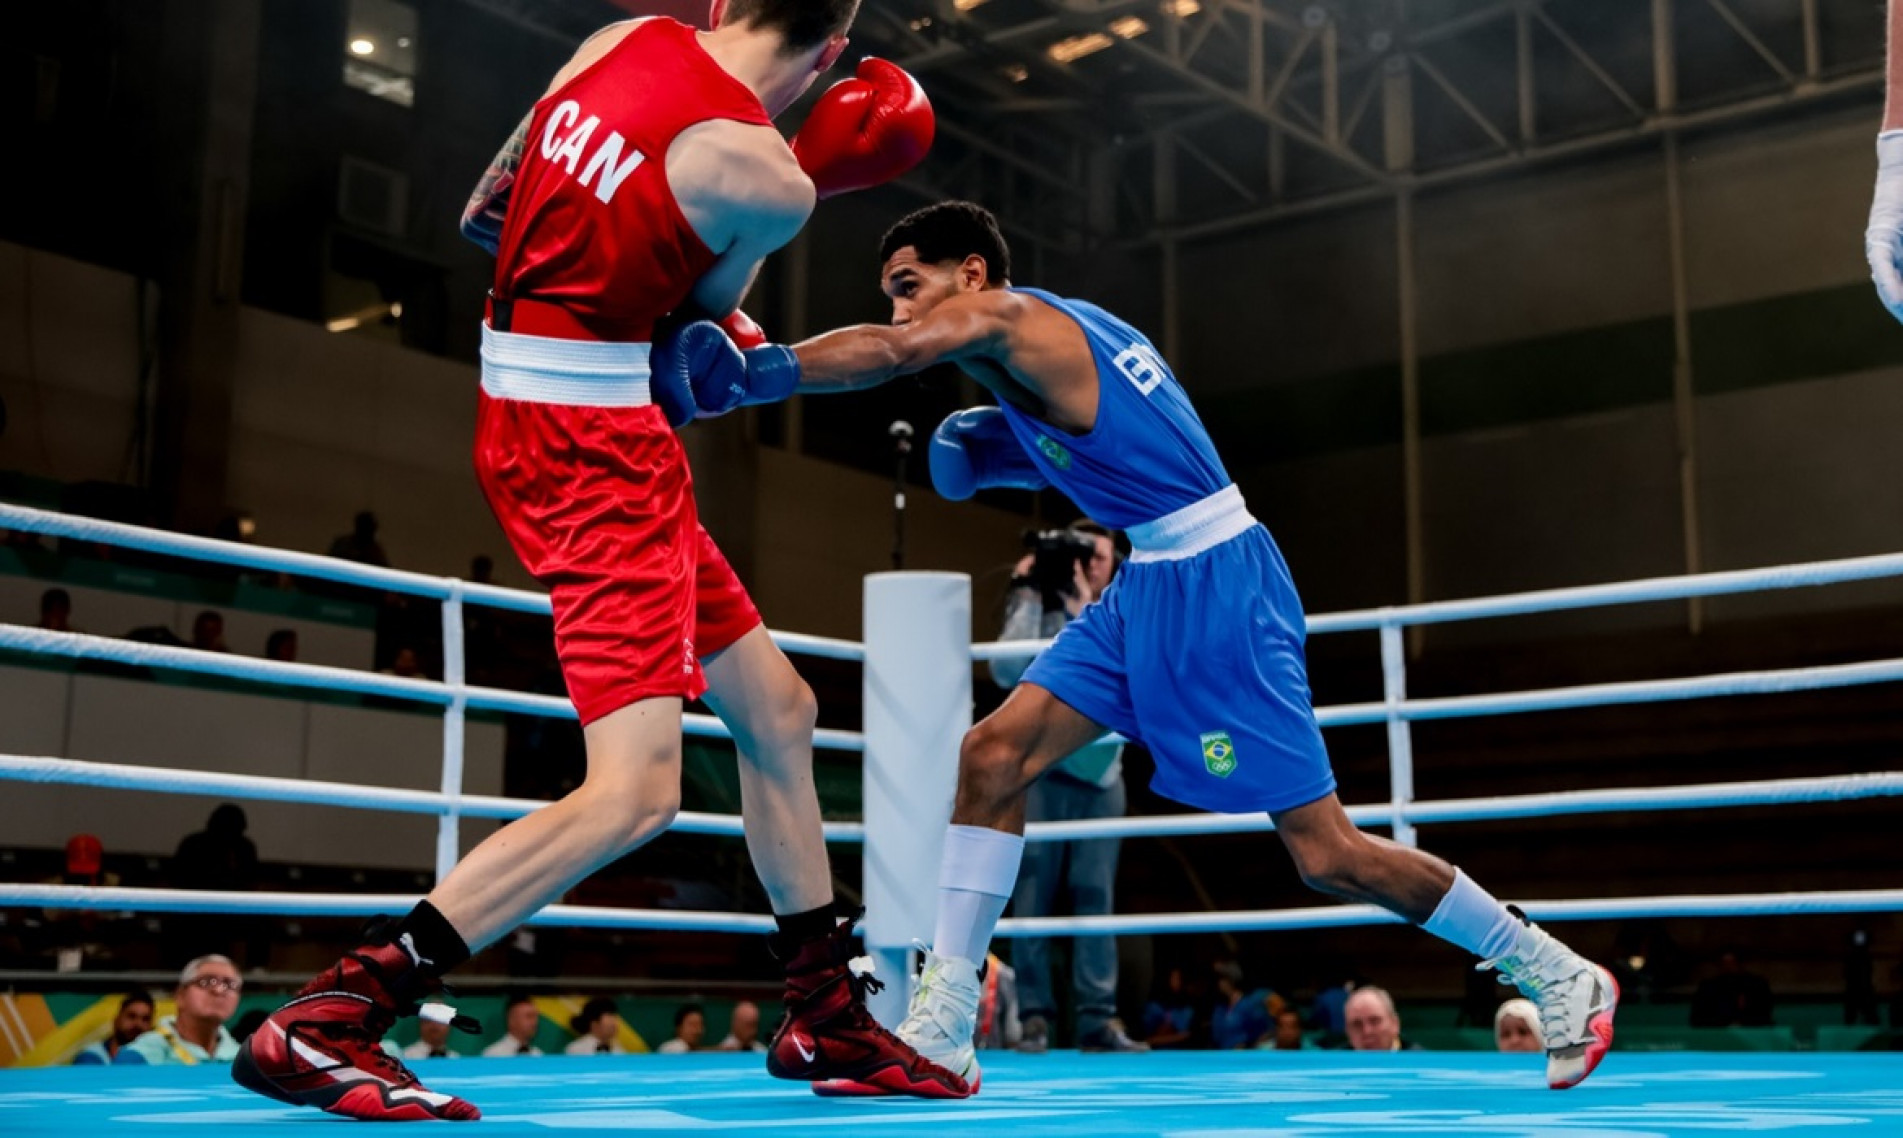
{"points": [[719, 376], [1883, 240], [865, 131], [974, 450]]}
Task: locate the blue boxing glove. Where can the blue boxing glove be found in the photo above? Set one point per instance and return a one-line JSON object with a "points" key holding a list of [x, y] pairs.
{"points": [[974, 450], [718, 376]]}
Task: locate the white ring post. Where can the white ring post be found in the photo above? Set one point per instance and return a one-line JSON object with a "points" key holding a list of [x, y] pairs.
{"points": [[917, 709], [1400, 734], [448, 826]]}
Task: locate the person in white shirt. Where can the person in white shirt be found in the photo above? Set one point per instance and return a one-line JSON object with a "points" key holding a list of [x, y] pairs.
{"points": [[598, 1028], [743, 1029], [520, 1019], [432, 1041], [690, 1027]]}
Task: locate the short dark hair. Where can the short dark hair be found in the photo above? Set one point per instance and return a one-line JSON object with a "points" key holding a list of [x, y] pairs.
{"points": [[53, 597], [685, 1010], [591, 1013], [514, 998], [803, 24], [136, 996], [951, 231]]}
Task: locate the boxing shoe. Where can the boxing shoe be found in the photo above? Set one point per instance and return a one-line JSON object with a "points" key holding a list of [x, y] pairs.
{"points": [[1576, 998], [938, 1026], [829, 1039], [325, 1047]]}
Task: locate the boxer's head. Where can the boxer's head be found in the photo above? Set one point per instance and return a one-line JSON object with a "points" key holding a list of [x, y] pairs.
{"points": [[811, 32], [939, 251]]}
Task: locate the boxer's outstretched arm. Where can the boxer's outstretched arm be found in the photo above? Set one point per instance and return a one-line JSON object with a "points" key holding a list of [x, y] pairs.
{"points": [[967, 326]]}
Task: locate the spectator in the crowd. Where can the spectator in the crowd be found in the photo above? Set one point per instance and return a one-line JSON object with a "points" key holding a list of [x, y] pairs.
{"points": [[482, 569], [1289, 1035], [1240, 1017], [282, 646], [1374, 1024], [520, 1019], [208, 632], [133, 1020], [690, 1027], [1516, 1027], [1171, 1013], [56, 611], [1329, 1015], [220, 857], [1086, 784], [406, 663], [743, 1029], [1733, 997], [598, 1028], [360, 544], [432, 1041], [207, 996], [85, 860]]}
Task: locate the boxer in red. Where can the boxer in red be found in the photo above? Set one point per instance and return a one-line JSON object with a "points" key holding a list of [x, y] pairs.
{"points": [[649, 181]]}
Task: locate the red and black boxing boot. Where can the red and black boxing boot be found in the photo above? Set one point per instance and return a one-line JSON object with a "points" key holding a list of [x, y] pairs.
{"points": [[829, 1036], [325, 1047]]}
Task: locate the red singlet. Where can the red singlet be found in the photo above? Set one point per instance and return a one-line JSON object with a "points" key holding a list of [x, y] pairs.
{"points": [[596, 498]]}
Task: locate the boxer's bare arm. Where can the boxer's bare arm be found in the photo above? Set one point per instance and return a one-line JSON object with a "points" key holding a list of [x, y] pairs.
{"points": [[996, 335], [744, 195], [482, 217]]}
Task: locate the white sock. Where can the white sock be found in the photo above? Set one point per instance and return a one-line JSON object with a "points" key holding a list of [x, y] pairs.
{"points": [[1469, 917], [975, 881]]}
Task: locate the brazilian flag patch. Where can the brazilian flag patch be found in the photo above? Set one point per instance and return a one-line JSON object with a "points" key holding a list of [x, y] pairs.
{"points": [[1219, 754], [1054, 451]]}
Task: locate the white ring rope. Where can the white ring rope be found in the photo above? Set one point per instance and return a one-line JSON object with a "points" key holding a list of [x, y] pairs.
{"points": [[260, 788], [358, 905], [1403, 813], [1554, 600], [1260, 920], [1346, 916], [80, 646], [1774, 792], [30, 520]]}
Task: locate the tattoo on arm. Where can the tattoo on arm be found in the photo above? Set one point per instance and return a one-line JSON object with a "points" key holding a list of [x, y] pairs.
{"points": [[489, 205]]}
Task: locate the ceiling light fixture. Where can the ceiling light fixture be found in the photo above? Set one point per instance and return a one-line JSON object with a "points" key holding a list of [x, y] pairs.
{"points": [[1076, 47], [966, 5], [1182, 9], [1129, 27], [362, 47]]}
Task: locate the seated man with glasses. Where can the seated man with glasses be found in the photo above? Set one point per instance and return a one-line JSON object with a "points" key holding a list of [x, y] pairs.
{"points": [[207, 996]]}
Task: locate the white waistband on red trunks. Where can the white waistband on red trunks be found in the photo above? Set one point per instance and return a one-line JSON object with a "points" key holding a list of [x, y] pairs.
{"points": [[576, 373], [1198, 526]]}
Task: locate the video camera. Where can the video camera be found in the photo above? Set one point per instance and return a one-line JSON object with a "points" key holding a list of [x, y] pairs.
{"points": [[1056, 554]]}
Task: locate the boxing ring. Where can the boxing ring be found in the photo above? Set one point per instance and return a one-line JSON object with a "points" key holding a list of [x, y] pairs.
{"points": [[917, 662]]}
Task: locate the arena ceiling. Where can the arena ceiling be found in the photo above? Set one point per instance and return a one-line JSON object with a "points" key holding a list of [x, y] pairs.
{"points": [[1151, 120]]}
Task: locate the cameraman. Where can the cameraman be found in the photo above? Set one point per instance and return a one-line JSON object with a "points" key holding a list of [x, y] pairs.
{"points": [[1087, 784]]}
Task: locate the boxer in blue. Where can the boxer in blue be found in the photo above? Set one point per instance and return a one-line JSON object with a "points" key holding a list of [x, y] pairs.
{"points": [[1196, 649]]}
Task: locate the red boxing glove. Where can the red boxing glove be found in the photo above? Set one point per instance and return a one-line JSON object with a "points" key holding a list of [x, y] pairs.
{"points": [[741, 329], [865, 131]]}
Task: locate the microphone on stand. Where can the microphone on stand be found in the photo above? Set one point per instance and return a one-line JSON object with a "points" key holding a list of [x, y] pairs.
{"points": [[901, 434]]}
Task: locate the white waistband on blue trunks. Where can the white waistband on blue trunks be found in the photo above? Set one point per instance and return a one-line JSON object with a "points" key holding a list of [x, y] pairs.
{"points": [[1192, 529], [575, 373]]}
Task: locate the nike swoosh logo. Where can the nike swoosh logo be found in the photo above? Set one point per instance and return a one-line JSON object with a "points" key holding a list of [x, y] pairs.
{"points": [[809, 1056]]}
